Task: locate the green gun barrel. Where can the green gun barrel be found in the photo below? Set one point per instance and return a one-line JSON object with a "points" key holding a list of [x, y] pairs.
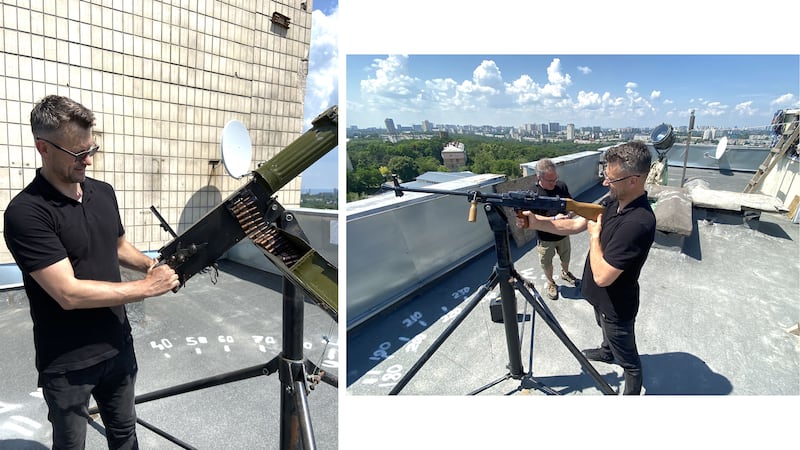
{"points": [[303, 152], [220, 229]]}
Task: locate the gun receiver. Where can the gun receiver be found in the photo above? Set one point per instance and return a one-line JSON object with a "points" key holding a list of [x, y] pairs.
{"points": [[518, 200], [252, 212]]}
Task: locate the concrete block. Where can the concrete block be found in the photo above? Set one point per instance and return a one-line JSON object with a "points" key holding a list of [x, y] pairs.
{"points": [[673, 210]]}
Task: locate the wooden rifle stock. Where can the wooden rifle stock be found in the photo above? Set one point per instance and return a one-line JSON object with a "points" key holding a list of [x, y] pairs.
{"points": [[589, 211]]}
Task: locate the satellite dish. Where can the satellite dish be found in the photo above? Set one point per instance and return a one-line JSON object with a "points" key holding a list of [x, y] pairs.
{"points": [[236, 148], [721, 146]]}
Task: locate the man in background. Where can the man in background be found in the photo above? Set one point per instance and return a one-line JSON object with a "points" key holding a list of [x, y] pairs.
{"points": [[548, 185]]}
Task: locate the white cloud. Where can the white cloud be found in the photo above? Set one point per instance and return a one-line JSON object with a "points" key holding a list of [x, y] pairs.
{"points": [[557, 82], [322, 83], [785, 99], [322, 92], [438, 90], [524, 90], [584, 70], [655, 95], [484, 90], [745, 109], [592, 100], [488, 75], [391, 78], [713, 109]]}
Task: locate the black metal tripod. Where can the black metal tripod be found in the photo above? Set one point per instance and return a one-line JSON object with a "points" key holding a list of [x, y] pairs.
{"points": [[293, 371], [506, 276], [297, 375]]}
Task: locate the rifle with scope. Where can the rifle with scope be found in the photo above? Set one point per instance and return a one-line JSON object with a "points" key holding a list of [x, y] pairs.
{"points": [[517, 200]]}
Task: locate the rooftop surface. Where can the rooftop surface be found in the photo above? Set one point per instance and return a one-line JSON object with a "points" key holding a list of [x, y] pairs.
{"points": [[715, 318], [203, 330]]}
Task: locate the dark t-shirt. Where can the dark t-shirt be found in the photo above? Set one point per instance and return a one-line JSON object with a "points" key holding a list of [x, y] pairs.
{"points": [[42, 227], [560, 190], [626, 238]]}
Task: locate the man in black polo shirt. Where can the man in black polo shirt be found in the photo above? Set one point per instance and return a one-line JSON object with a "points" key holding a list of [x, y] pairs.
{"points": [[548, 185], [619, 242], [65, 233]]}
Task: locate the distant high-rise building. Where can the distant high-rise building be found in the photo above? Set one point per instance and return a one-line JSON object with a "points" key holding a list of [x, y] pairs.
{"points": [[427, 127], [570, 131], [390, 126], [554, 127], [544, 128]]}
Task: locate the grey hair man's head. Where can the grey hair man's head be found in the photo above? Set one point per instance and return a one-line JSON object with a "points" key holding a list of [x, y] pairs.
{"points": [[53, 112], [632, 157]]}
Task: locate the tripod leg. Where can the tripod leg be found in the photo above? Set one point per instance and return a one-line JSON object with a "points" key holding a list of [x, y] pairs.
{"points": [[492, 384], [551, 321], [476, 298], [505, 271], [304, 415], [296, 428], [509, 301]]}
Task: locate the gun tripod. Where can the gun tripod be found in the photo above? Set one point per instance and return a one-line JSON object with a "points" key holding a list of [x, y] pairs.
{"points": [[506, 276], [297, 374], [296, 431]]}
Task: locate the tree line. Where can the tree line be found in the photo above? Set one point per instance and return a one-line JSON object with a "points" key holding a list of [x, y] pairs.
{"points": [[373, 160]]}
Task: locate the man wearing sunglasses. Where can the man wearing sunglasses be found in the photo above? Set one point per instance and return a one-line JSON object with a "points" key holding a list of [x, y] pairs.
{"points": [[619, 242], [65, 233], [549, 244]]}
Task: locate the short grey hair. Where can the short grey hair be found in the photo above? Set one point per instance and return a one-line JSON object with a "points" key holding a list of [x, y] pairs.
{"points": [[53, 111], [632, 157], [543, 166]]}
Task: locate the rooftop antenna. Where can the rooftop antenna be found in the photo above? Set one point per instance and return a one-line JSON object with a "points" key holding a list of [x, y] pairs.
{"points": [[688, 141]]}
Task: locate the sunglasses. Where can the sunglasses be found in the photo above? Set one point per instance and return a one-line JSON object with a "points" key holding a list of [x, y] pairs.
{"points": [[78, 156], [610, 181]]}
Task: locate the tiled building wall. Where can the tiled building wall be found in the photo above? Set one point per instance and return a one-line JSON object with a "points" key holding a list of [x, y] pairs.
{"points": [[163, 78]]}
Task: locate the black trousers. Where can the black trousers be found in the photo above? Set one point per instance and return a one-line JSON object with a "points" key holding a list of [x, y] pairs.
{"points": [[111, 383], [619, 340]]}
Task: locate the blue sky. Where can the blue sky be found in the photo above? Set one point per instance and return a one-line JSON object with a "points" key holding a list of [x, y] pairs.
{"points": [[669, 78], [322, 88], [587, 90]]}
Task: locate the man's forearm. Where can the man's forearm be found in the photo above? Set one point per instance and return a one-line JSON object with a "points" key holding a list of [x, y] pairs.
{"points": [[556, 225], [130, 257], [603, 273]]}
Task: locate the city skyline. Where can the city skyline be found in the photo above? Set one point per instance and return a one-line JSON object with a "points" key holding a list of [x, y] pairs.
{"points": [[611, 91]]}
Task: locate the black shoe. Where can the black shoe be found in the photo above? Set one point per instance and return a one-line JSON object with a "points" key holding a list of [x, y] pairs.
{"points": [[598, 354]]}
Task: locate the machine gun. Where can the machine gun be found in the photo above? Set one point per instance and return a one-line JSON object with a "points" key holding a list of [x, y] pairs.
{"points": [[518, 200], [253, 212]]}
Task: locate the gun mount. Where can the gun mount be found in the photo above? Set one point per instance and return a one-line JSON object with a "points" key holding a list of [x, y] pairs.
{"points": [[253, 212], [510, 282]]}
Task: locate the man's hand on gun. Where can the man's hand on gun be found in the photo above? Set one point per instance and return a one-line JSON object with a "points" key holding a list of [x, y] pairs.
{"points": [[562, 224], [594, 227], [160, 279], [527, 219]]}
